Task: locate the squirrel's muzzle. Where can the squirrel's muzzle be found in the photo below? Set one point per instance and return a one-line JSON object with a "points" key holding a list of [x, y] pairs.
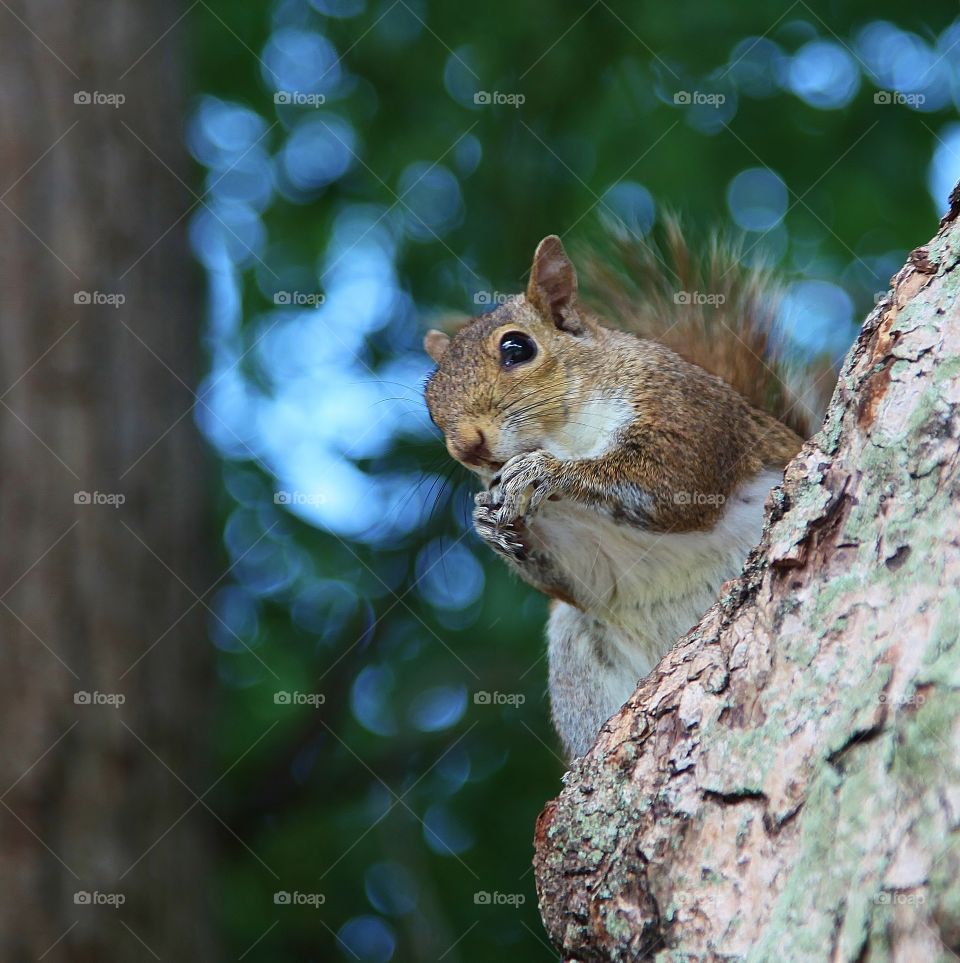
{"points": [[469, 446]]}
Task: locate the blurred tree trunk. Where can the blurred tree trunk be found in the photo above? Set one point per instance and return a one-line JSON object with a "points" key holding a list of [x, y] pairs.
{"points": [[94, 398], [786, 784]]}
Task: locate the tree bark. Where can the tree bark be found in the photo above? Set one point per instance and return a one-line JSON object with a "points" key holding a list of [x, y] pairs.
{"points": [[96, 601], [786, 784]]}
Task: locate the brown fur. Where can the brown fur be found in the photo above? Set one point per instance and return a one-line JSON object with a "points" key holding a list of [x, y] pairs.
{"points": [[692, 434], [637, 284], [600, 452]]}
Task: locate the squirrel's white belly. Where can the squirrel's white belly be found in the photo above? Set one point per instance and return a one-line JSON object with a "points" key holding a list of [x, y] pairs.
{"points": [[647, 588], [649, 581]]}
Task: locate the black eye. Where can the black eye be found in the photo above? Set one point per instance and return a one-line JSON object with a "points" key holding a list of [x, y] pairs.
{"points": [[516, 348]]}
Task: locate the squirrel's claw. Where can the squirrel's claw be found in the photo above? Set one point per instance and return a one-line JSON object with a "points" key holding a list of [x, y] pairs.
{"points": [[523, 484], [505, 539]]}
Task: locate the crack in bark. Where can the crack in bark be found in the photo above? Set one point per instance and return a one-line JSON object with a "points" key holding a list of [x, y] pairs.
{"points": [[856, 739]]}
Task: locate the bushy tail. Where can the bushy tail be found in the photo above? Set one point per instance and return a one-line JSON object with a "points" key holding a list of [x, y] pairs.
{"points": [[710, 308]]}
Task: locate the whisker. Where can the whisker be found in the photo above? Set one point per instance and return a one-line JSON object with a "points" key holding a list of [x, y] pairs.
{"points": [[541, 404], [406, 401], [549, 390], [579, 424], [385, 381], [516, 386]]}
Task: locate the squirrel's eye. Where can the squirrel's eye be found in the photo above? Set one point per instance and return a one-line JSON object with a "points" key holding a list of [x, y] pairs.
{"points": [[516, 348]]}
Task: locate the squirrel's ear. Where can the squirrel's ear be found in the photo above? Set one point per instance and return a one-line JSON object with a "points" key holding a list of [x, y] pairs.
{"points": [[435, 343], [553, 284]]}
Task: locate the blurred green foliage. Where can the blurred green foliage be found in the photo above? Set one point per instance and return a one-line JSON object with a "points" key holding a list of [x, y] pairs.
{"points": [[402, 799]]}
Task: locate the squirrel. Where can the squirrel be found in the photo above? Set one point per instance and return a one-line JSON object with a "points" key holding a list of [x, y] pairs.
{"points": [[625, 469]]}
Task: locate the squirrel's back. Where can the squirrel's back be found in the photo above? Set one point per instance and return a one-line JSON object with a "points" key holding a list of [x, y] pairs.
{"points": [[710, 308]]}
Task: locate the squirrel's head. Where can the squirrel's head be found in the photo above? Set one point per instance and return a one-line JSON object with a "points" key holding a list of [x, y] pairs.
{"points": [[502, 384]]}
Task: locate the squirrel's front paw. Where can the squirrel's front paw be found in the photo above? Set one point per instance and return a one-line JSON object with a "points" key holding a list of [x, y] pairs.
{"points": [[523, 484], [508, 539]]}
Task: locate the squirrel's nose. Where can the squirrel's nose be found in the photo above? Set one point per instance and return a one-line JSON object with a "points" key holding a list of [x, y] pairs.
{"points": [[470, 447]]}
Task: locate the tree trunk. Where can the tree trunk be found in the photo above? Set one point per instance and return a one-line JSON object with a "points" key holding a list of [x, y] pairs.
{"points": [[94, 399], [786, 783]]}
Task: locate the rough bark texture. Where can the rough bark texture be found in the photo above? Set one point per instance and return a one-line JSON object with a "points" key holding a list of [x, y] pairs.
{"points": [[90, 401], [786, 784]]}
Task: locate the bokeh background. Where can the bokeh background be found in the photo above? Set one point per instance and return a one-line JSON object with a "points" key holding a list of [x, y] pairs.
{"points": [[367, 167], [267, 698]]}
